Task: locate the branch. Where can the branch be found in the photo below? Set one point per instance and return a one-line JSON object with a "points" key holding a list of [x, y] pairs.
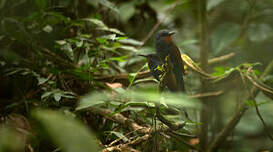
{"points": [[123, 78], [220, 138], [262, 120], [167, 122], [205, 113], [207, 94], [119, 118], [221, 58]]}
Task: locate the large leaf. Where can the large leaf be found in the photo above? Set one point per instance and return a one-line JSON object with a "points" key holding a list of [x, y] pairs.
{"points": [[224, 35], [67, 133], [140, 96], [91, 100], [10, 140], [127, 10]]}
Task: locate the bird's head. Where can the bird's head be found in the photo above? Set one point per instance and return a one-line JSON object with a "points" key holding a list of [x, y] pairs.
{"points": [[164, 35]]}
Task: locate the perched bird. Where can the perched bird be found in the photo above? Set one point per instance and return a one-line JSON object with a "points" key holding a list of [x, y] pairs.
{"points": [[169, 79], [166, 49]]}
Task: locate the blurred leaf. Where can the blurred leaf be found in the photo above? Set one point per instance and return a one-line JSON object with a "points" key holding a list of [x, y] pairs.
{"points": [[131, 42], [141, 97], [93, 2], [128, 48], [48, 29], [220, 70], [10, 141], [57, 94], [92, 99], [101, 26], [213, 3], [41, 3], [188, 42], [109, 5], [65, 132], [41, 80], [2, 3], [259, 32], [223, 36], [127, 10]]}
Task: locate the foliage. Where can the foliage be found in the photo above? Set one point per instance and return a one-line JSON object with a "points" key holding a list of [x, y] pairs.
{"points": [[71, 66]]}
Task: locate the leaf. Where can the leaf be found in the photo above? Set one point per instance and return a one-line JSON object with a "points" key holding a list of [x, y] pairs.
{"points": [[259, 32], [127, 10], [92, 99], [41, 80], [66, 132], [48, 29], [128, 48], [223, 36], [213, 3], [61, 42], [131, 42], [10, 140], [57, 96], [2, 4], [109, 5], [101, 26], [132, 77]]}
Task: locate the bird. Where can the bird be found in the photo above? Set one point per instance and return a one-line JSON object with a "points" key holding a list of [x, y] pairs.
{"points": [[153, 62], [169, 79], [167, 49]]}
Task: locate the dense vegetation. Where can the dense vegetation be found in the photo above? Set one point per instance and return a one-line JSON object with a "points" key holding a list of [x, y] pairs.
{"points": [[71, 78]]}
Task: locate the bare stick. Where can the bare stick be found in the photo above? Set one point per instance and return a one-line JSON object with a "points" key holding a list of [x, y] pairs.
{"points": [[221, 58]]}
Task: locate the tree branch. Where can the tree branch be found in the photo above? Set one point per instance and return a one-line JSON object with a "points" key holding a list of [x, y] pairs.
{"points": [[224, 133]]}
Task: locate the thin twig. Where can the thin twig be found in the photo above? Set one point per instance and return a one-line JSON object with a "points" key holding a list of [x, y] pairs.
{"points": [[262, 120], [207, 94], [255, 103], [221, 58], [157, 25]]}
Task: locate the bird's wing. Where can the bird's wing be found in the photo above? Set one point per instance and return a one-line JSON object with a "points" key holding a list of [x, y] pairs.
{"points": [[176, 56]]}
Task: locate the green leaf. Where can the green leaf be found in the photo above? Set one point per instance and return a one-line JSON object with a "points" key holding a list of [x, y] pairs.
{"points": [[92, 99], [131, 42], [127, 10], [213, 3], [66, 132], [10, 140], [132, 77], [224, 35]]}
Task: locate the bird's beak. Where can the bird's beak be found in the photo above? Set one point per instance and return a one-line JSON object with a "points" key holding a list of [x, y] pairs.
{"points": [[172, 32]]}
